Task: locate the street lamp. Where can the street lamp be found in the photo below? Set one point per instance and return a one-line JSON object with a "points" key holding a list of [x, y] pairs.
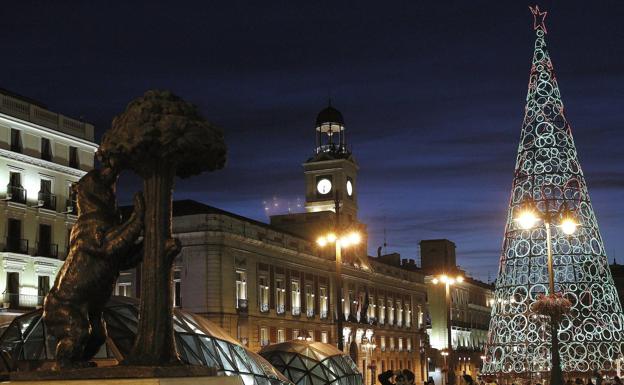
{"points": [[340, 241], [527, 219], [448, 280]]}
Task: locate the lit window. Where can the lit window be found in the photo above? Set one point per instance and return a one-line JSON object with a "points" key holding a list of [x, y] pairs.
{"points": [[391, 343], [280, 294], [371, 308], [382, 343], [382, 311], [264, 336], [295, 297], [177, 288], [390, 312], [400, 344], [408, 315], [324, 337], [281, 335], [295, 334], [323, 302], [263, 289], [123, 289], [241, 289], [399, 308], [409, 344], [309, 293]]}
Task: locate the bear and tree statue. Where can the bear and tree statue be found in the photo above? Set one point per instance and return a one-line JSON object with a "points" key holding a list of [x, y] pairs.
{"points": [[159, 136]]}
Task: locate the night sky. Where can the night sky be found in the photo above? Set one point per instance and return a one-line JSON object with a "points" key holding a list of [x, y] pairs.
{"points": [[432, 94]]}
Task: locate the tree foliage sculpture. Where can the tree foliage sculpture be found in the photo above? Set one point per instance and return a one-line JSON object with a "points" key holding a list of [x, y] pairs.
{"points": [[549, 174], [160, 136]]}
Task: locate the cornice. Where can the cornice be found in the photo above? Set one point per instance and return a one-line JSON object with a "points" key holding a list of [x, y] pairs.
{"points": [[41, 163]]}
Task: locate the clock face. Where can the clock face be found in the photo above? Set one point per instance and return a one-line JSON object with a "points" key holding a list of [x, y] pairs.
{"points": [[324, 186], [349, 188]]}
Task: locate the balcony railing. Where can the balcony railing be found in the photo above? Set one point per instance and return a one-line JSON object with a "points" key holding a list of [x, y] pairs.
{"points": [[242, 305], [310, 313], [280, 309], [15, 300], [16, 194], [46, 200], [15, 245], [323, 314], [17, 147], [70, 206], [296, 310], [49, 250], [264, 308]]}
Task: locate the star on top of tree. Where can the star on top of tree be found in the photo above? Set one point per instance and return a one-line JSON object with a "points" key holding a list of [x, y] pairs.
{"points": [[538, 18]]}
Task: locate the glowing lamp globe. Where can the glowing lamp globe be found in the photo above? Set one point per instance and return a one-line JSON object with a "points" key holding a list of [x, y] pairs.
{"points": [[527, 220], [568, 226]]}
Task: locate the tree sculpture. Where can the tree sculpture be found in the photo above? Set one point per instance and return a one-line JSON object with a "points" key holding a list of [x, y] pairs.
{"points": [[160, 136]]}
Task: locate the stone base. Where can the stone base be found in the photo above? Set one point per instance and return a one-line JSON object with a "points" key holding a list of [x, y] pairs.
{"points": [[113, 375]]}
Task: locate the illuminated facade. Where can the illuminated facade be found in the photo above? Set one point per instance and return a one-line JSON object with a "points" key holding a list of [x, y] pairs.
{"points": [[41, 154], [548, 175], [471, 305], [271, 283]]}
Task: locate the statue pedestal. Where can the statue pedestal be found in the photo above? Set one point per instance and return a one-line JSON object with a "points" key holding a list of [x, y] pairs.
{"points": [[233, 380], [126, 375]]}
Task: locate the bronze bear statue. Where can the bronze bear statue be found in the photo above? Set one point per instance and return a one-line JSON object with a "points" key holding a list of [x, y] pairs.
{"points": [[100, 246]]}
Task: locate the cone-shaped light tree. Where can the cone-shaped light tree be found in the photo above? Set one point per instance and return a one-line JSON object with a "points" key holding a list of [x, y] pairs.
{"points": [[160, 136], [548, 180]]}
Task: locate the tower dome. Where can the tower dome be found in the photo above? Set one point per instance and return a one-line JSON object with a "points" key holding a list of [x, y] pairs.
{"points": [[330, 132]]}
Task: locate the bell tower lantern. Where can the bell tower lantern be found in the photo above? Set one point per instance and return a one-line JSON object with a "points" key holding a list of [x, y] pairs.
{"points": [[331, 171]]}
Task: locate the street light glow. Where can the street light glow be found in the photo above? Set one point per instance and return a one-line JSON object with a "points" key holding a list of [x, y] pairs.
{"points": [[322, 241], [435, 281], [527, 219], [460, 279], [568, 225], [331, 237], [355, 238]]}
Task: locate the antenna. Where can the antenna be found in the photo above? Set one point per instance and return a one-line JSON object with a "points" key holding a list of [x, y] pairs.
{"points": [[385, 244]]}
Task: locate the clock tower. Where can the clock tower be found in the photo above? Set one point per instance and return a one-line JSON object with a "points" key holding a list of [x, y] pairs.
{"points": [[331, 172]]}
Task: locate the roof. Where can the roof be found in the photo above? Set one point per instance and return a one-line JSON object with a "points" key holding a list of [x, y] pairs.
{"points": [[329, 115]]}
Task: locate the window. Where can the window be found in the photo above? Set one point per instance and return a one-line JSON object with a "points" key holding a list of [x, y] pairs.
{"points": [[409, 344], [400, 344], [43, 287], [382, 311], [45, 248], [15, 191], [14, 242], [323, 302], [420, 317], [280, 294], [123, 289], [177, 288], [324, 337], [408, 315], [382, 343], [309, 293], [295, 334], [46, 199], [281, 335], [264, 336], [390, 312], [12, 289], [295, 297], [310, 336], [263, 294], [371, 308], [73, 157], [46, 149], [399, 308], [16, 140], [241, 289], [391, 344]]}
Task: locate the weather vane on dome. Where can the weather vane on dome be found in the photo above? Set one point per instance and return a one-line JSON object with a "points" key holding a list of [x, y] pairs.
{"points": [[538, 18]]}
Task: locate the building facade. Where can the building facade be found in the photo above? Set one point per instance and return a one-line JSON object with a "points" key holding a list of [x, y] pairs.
{"points": [[470, 308], [41, 154], [270, 283]]}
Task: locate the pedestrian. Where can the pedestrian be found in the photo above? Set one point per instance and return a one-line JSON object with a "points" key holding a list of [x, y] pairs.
{"points": [[397, 377]]}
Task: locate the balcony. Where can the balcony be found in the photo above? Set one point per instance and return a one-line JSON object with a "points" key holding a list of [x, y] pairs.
{"points": [[323, 314], [296, 310], [16, 194], [241, 305], [17, 147], [264, 308], [280, 309], [46, 200], [310, 313], [21, 301], [15, 245], [49, 250]]}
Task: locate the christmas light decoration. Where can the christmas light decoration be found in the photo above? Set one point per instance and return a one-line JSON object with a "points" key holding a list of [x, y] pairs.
{"points": [[548, 179]]}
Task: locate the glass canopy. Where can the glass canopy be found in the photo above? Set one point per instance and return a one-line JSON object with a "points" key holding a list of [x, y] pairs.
{"points": [[200, 342], [312, 363]]}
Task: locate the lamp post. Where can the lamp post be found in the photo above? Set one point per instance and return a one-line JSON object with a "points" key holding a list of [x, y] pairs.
{"points": [[448, 281], [339, 240], [529, 218]]}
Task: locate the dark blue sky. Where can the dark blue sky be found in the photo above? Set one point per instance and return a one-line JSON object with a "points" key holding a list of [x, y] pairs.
{"points": [[432, 94]]}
